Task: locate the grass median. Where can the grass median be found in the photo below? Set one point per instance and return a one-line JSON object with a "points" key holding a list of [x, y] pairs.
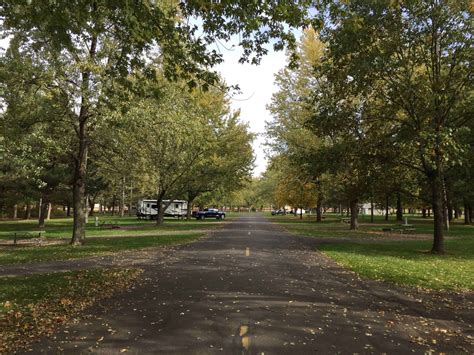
{"points": [[114, 235], [395, 257]]}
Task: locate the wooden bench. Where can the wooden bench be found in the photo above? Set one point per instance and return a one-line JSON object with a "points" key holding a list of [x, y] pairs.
{"points": [[26, 236]]}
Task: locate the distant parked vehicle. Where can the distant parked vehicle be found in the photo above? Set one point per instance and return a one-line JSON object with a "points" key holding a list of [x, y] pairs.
{"points": [[278, 212], [148, 209], [209, 213]]}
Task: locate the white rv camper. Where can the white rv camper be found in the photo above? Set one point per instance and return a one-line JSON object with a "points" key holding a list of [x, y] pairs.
{"points": [[148, 209]]}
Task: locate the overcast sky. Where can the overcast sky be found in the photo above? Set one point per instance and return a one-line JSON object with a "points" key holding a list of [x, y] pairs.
{"points": [[257, 86]]}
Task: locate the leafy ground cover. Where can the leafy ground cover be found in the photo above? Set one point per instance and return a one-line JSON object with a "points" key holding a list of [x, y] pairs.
{"points": [[34, 306], [377, 255]]}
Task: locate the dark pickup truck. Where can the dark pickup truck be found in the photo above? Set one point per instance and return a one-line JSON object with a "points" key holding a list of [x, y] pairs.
{"points": [[209, 213]]}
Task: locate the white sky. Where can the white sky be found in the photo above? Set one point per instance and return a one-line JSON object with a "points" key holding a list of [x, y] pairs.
{"points": [[257, 85]]}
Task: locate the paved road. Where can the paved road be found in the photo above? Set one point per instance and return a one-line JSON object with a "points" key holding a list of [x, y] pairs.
{"points": [[252, 288]]}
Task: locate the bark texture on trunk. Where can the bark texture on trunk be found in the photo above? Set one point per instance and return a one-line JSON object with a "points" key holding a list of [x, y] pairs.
{"points": [[91, 206], [161, 209], [43, 211], [399, 208], [467, 213], [437, 205], [79, 188], [354, 214], [423, 212], [50, 207], [319, 207], [15, 211], [386, 207], [372, 210]]}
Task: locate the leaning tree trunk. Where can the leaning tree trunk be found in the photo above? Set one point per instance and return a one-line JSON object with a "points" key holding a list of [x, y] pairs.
{"points": [[354, 214]]}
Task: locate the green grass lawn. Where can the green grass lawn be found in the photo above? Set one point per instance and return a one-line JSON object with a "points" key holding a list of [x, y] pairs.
{"points": [[32, 254], [34, 306], [132, 234], [406, 262], [62, 228]]}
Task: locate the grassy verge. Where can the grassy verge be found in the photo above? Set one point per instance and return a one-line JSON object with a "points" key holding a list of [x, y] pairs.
{"points": [[34, 306], [31, 254], [409, 263], [108, 226], [373, 254]]}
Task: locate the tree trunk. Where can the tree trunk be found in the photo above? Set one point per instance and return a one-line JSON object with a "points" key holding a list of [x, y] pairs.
{"points": [[429, 212], [386, 207], [161, 209], [131, 200], [423, 212], [319, 208], [28, 211], [456, 212], [399, 208], [354, 214], [122, 200], [43, 211], [15, 211], [372, 210], [467, 213], [191, 198], [40, 208], [91, 205], [68, 210], [50, 207], [113, 205], [445, 207], [437, 204], [301, 213], [79, 184]]}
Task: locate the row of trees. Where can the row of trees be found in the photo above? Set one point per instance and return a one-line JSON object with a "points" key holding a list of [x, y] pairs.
{"points": [[380, 105], [98, 97]]}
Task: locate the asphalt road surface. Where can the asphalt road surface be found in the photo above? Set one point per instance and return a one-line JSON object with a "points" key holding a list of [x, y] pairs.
{"points": [[252, 288]]}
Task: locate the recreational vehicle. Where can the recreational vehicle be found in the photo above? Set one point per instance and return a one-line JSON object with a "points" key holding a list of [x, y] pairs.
{"points": [[147, 209]]}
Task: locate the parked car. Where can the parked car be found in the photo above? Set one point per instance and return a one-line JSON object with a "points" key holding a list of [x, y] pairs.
{"points": [[279, 211], [209, 213]]}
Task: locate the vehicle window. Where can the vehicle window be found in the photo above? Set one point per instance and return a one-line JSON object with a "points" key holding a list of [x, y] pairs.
{"points": [[148, 205], [176, 205], [153, 206]]}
